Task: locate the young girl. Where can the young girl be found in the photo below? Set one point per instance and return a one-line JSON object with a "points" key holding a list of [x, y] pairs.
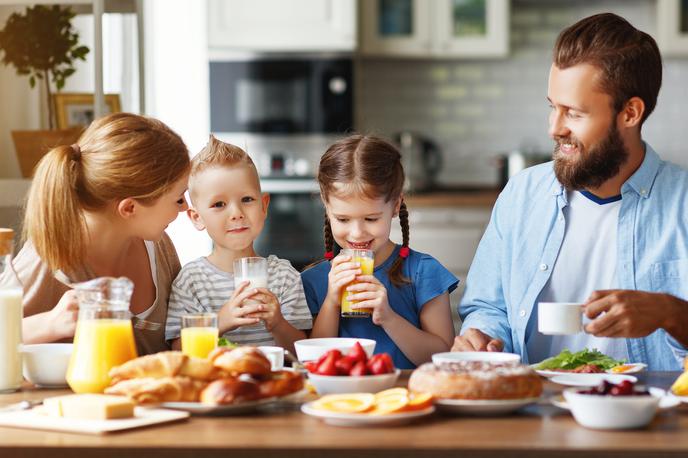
{"points": [[361, 181], [100, 208]]}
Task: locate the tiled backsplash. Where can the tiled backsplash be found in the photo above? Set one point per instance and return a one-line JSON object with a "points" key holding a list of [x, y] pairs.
{"points": [[476, 109]]}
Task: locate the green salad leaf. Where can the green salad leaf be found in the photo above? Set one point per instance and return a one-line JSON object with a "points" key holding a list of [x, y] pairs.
{"points": [[568, 360], [224, 342]]}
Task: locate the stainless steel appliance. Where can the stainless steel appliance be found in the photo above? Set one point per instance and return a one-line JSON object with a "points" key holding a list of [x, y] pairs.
{"points": [[302, 94], [513, 162], [422, 160]]}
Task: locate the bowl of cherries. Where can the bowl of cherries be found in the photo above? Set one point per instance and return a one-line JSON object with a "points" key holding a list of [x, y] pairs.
{"points": [[613, 406], [353, 372]]}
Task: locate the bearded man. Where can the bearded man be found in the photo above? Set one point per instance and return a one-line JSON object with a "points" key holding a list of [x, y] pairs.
{"points": [[604, 224]]}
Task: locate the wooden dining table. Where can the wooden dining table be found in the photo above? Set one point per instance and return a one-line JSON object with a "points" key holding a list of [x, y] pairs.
{"points": [[535, 431]]}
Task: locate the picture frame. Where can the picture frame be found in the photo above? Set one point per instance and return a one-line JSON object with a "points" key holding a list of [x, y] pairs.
{"points": [[76, 109]]}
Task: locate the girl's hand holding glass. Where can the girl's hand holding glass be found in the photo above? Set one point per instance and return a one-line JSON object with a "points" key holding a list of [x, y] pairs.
{"points": [[371, 294], [342, 272], [234, 313]]}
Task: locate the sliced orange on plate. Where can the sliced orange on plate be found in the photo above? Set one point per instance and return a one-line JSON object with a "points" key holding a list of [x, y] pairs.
{"points": [[346, 403], [419, 401], [390, 403]]}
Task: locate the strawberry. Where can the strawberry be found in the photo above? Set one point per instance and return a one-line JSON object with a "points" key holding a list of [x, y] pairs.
{"points": [[311, 366], [328, 352], [359, 369], [380, 364], [344, 365], [388, 361], [327, 367], [357, 353]]}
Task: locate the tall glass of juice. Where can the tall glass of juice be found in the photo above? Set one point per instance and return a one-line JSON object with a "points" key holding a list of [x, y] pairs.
{"points": [[366, 259], [104, 335], [199, 334]]}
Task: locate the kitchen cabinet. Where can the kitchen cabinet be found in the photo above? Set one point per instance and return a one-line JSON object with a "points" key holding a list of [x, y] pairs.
{"points": [[435, 28], [278, 25], [449, 234], [672, 27]]}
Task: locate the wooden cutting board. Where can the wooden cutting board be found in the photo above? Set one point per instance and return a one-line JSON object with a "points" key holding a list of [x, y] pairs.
{"points": [[37, 419]]}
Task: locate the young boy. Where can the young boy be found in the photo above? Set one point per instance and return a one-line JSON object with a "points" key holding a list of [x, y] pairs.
{"points": [[226, 200]]}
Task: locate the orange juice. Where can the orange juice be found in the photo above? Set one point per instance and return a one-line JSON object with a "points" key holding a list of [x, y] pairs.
{"points": [[99, 345], [367, 264], [199, 341]]}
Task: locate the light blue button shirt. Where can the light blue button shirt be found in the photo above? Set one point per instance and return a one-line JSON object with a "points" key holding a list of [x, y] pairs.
{"points": [[516, 254]]}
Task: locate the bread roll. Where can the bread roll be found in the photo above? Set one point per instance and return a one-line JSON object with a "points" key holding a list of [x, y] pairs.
{"points": [[476, 380], [241, 360], [230, 391], [155, 390]]}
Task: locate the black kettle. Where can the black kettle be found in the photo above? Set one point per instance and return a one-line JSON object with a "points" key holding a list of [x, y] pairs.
{"points": [[422, 160]]}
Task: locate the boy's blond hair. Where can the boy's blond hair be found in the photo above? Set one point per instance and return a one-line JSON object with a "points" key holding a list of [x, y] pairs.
{"points": [[218, 154]]}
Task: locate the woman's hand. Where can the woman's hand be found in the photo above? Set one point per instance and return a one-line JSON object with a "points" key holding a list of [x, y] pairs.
{"points": [[63, 316], [342, 272], [369, 293], [234, 313]]}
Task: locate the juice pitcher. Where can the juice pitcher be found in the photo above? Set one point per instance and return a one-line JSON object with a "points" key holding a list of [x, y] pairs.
{"points": [[104, 335]]}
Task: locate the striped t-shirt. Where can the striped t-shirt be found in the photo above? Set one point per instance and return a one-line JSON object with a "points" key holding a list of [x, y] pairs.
{"points": [[201, 287]]}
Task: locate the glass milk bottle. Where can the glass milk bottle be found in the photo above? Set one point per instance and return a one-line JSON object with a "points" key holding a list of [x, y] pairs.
{"points": [[10, 317], [104, 335]]}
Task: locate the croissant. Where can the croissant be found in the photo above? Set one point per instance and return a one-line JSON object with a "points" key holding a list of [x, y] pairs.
{"points": [[155, 390], [158, 365], [281, 383], [241, 360], [230, 391]]}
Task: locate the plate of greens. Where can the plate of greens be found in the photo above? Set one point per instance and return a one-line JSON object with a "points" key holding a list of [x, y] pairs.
{"points": [[585, 361]]}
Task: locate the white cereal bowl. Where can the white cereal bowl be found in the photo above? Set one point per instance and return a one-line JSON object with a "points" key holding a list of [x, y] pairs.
{"points": [[312, 349], [331, 384], [486, 356], [598, 411], [46, 365]]}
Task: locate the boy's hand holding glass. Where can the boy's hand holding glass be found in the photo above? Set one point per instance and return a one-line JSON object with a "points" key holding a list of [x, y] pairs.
{"points": [[370, 294], [235, 313], [342, 272], [271, 313]]}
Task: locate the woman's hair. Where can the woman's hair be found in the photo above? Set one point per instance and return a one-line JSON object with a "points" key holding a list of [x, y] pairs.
{"points": [[118, 156], [218, 154], [628, 59], [367, 166]]}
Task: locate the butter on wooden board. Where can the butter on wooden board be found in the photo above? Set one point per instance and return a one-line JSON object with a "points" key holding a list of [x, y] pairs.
{"points": [[89, 406]]}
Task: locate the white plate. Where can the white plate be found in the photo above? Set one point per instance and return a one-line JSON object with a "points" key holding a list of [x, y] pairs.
{"points": [[483, 407], [637, 367], [199, 408], [576, 379], [666, 401], [680, 398], [362, 419]]}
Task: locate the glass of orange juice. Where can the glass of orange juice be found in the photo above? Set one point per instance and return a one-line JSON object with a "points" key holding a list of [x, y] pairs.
{"points": [[199, 334], [104, 335], [366, 259]]}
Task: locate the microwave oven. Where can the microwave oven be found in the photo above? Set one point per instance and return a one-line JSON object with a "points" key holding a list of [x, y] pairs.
{"points": [[282, 95]]}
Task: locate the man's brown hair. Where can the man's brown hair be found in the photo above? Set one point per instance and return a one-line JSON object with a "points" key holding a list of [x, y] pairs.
{"points": [[629, 59]]}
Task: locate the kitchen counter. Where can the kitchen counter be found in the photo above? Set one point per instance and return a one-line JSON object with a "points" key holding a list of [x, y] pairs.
{"points": [[537, 431], [459, 197]]}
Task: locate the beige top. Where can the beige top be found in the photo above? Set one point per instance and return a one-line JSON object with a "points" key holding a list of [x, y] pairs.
{"points": [[42, 291]]}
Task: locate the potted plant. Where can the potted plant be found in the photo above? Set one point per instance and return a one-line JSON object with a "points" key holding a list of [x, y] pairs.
{"points": [[41, 44]]}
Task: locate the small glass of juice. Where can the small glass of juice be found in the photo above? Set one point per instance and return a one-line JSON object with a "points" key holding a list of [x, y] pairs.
{"points": [[199, 334], [366, 259]]}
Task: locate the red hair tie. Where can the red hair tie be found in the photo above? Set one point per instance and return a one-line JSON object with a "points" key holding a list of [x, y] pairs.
{"points": [[404, 252], [329, 255]]}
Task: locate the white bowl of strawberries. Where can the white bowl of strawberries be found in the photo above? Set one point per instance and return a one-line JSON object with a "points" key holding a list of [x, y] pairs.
{"points": [[353, 372]]}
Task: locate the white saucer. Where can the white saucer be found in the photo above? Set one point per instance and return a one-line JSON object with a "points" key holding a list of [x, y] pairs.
{"points": [[363, 419], [576, 379], [483, 407]]}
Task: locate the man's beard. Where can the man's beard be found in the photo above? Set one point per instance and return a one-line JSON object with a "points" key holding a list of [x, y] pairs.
{"points": [[590, 169]]}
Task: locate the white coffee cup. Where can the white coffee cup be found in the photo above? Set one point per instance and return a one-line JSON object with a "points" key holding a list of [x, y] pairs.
{"points": [[275, 355], [560, 318]]}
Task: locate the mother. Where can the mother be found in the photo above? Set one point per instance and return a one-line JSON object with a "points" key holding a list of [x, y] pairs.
{"points": [[100, 208]]}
